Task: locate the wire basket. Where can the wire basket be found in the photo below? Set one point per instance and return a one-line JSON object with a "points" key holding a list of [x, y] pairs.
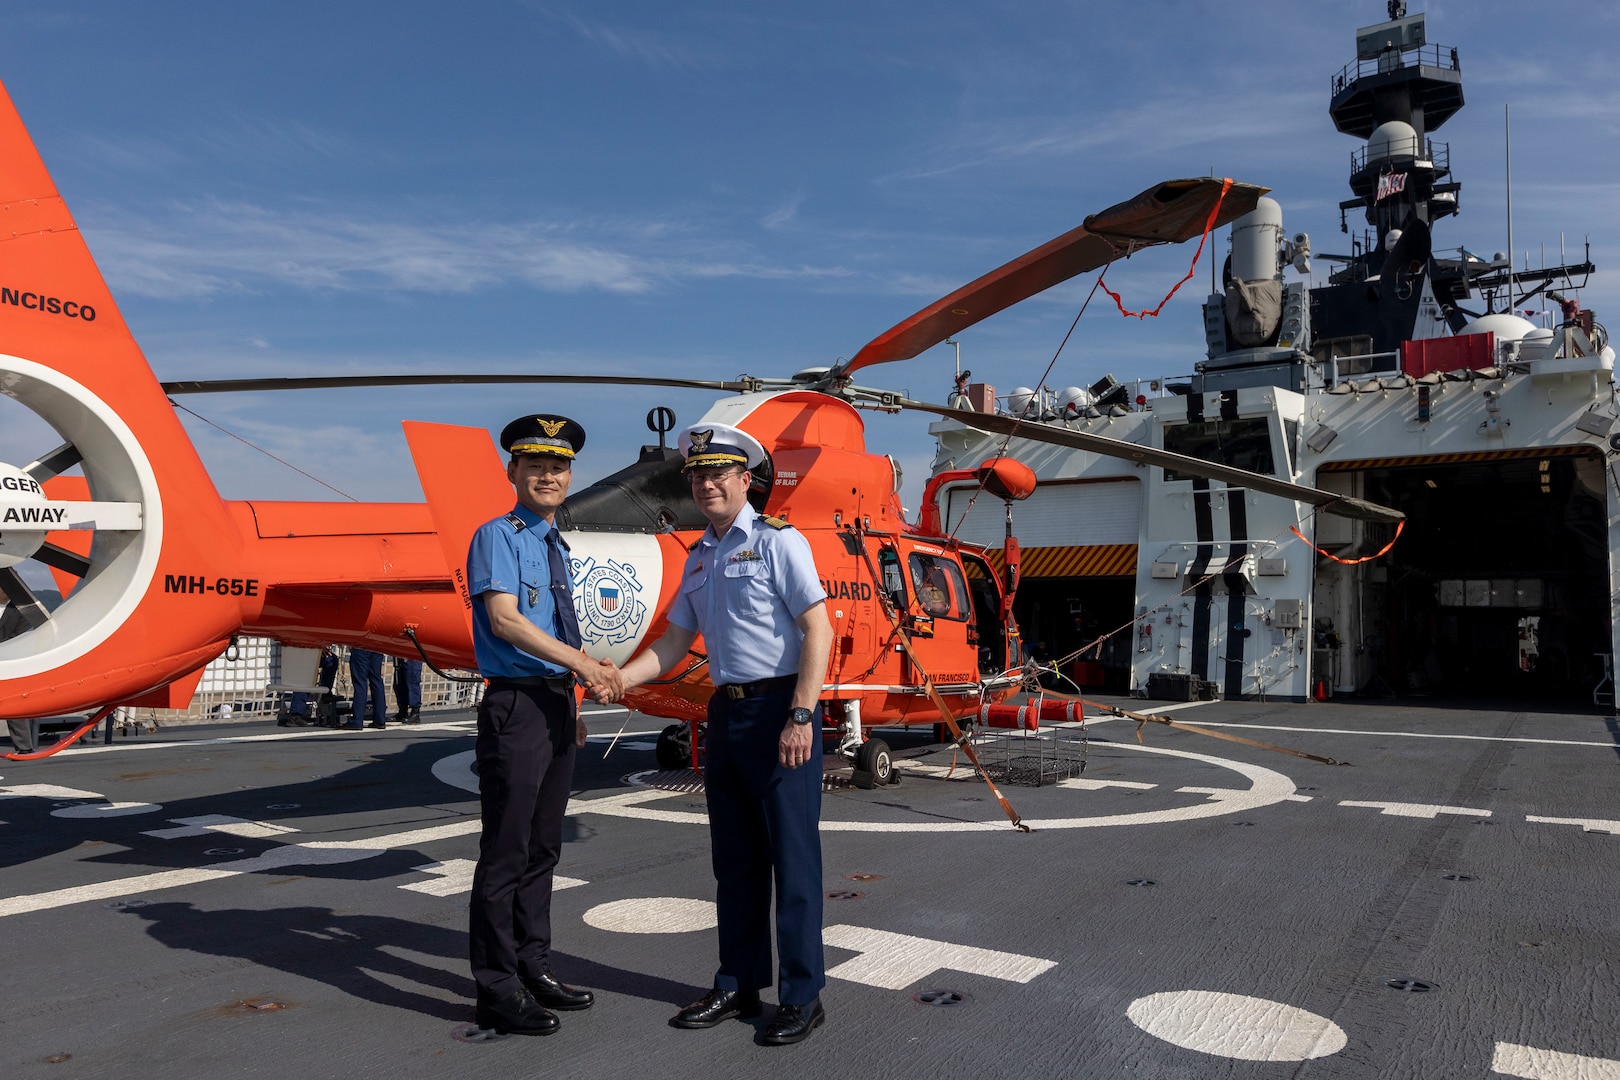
{"points": [[1033, 758]]}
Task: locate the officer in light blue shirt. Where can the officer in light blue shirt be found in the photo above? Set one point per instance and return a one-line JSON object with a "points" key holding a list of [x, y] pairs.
{"points": [[750, 588], [526, 638]]}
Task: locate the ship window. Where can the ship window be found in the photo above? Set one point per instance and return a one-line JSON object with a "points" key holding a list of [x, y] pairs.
{"points": [[939, 587], [1241, 444]]}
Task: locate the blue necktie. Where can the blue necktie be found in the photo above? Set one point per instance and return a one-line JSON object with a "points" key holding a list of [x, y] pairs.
{"points": [[562, 591]]}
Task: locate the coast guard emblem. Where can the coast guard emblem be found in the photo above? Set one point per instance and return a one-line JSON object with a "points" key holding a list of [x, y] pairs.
{"points": [[700, 441], [610, 607]]}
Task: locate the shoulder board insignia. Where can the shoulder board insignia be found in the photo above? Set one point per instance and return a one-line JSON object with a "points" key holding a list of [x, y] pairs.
{"points": [[693, 546], [775, 522], [517, 523]]}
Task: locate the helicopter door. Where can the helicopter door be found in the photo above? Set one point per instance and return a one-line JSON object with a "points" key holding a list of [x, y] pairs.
{"points": [[942, 609], [986, 592]]}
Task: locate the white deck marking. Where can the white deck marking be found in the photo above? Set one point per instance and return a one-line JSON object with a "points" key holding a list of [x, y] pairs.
{"points": [[893, 961], [454, 726], [1236, 1026], [1080, 783], [653, 915], [46, 791], [106, 810], [457, 771], [1592, 825], [1417, 810], [1532, 1063], [455, 876], [219, 823], [309, 853], [1608, 745], [1269, 787]]}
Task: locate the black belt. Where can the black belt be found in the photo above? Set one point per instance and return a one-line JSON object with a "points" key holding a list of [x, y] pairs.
{"points": [[738, 691], [560, 683]]}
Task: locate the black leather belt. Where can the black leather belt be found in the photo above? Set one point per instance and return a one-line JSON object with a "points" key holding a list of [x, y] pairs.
{"points": [[563, 684], [738, 691]]}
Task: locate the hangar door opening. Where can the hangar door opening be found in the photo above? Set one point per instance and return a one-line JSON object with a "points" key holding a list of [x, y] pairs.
{"points": [[1077, 541], [1499, 584]]}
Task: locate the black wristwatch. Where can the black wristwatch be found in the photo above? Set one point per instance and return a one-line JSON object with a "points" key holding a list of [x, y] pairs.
{"points": [[802, 716]]}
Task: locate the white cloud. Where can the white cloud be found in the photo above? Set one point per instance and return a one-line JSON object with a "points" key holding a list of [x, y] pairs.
{"points": [[204, 248]]}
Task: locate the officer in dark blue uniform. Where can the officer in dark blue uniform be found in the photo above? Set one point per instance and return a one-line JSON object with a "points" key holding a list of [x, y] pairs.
{"points": [[526, 638], [407, 690], [750, 588], [365, 671]]}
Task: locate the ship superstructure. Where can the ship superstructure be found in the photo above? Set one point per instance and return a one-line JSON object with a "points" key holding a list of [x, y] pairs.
{"points": [[1407, 378]]}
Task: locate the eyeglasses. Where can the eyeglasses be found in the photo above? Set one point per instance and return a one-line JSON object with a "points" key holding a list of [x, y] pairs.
{"points": [[701, 478]]}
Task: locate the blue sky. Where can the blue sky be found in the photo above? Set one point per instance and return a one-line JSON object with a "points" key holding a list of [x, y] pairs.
{"points": [[708, 189]]}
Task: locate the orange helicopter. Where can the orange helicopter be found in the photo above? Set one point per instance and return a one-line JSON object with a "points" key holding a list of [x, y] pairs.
{"points": [[159, 573]]}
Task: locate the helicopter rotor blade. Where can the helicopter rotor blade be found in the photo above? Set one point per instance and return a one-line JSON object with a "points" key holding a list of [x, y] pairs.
{"points": [[1168, 213], [346, 382], [1326, 501]]}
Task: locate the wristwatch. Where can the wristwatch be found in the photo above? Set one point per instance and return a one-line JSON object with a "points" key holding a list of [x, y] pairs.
{"points": [[802, 716]]}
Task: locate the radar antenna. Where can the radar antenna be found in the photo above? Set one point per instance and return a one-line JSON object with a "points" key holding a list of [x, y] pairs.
{"points": [[1397, 9]]}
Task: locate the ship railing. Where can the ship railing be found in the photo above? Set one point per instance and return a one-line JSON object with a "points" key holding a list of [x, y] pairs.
{"points": [[1436, 56], [1339, 368], [1435, 154], [1049, 406]]}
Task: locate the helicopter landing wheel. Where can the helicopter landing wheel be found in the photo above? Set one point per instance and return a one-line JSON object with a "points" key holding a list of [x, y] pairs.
{"points": [[874, 765], [674, 748]]}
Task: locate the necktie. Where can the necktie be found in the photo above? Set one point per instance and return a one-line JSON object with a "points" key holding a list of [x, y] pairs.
{"points": [[562, 591]]}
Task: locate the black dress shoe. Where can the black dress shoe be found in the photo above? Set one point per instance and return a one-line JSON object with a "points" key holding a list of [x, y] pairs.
{"points": [[550, 992], [515, 1014], [375, 725], [717, 1007], [794, 1023]]}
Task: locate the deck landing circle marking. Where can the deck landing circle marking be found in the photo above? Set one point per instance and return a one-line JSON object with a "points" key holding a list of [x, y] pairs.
{"points": [[106, 809], [653, 915], [1236, 1026], [1267, 787]]}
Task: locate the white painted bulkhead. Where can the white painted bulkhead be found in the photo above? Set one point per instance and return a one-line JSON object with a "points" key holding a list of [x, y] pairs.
{"points": [[1249, 628]]}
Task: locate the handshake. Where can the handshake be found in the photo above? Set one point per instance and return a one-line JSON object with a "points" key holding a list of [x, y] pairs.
{"points": [[604, 680]]}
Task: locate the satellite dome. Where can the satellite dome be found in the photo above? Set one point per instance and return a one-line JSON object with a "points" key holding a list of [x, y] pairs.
{"points": [[1506, 327], [1070, 400], [1392, 139], [1019, 401]]}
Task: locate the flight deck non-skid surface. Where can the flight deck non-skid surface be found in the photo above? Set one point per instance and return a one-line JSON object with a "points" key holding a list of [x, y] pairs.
{"points": [[254, 901]]}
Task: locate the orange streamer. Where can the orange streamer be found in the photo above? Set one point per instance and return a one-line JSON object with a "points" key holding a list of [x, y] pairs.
{"points": [[1208, 226], [1400, 526]]}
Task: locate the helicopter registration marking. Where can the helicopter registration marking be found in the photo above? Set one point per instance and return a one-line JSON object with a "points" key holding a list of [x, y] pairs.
{"points": [[191, 584]]}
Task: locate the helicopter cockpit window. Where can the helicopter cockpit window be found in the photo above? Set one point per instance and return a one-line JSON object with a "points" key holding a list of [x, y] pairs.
{"points": [[894, 579], [939, 587]]}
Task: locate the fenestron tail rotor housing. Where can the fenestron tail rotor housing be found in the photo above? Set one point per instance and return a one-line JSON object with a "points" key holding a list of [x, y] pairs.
{"points": [[124, 515]]}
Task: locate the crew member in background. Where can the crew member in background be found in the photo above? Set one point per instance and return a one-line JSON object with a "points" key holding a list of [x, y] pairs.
{"points": [[407, 690], [365, 671], [526, 638], [750, 588]]}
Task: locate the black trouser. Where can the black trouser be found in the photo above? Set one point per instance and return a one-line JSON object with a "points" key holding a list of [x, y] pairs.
{"points": [[525, 753]]}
